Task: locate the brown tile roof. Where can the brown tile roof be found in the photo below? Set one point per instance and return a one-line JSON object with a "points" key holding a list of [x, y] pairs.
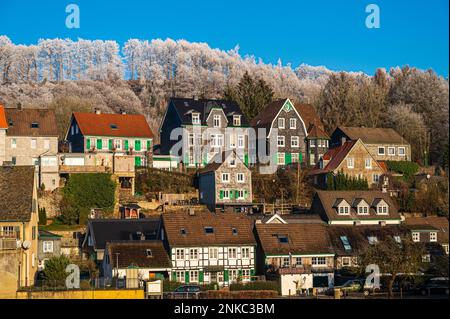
{"points": [[16, 193], [430, 223], [3, 123], [302, 238], [22, 119], [194, 229], [335, 156], [373, 135], [329, 198], [134, 253], [266, 116], [357, 236], [126, 125], [316, 132]]}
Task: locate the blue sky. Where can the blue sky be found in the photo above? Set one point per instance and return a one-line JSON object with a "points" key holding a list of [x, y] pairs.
{"points": [[325, 32]]}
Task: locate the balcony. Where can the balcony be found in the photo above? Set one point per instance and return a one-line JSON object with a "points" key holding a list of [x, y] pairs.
{"points": [[68, 169], [8, 240]]}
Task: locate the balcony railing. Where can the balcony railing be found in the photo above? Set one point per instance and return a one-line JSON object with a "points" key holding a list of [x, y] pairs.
{"points": [[8, 240]]}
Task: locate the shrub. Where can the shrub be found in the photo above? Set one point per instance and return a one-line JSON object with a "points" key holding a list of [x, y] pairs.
{"points": [[42, 216], [408, 169], [84, 192], [256, 285], [343, 182], [54, 274]]}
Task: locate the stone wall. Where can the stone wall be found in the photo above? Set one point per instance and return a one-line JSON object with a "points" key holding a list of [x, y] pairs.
{"points": [[9, 266], [83, 294]]}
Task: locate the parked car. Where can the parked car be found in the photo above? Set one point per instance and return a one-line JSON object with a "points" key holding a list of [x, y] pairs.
{"points": [[354, 285], [438, 285], [184, 292]]}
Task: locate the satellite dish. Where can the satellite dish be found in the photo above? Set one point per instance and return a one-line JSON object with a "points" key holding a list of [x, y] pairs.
{"points": [[26, 244]]}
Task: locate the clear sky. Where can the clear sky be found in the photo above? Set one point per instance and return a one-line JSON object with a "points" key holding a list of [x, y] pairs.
{"points": [[322, 32]]}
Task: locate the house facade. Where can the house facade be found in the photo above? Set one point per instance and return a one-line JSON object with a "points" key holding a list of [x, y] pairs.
{"points": [[288, 125], [205, 129], [226, 182], [18, 228], [119, 134], [355, 208], [385, 144], [299, 255], [31, 138], [352, 159], [49, 246], [210, 248], [136, 261]]}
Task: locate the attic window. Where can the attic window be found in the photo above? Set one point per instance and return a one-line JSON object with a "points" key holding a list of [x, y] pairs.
{"points": [[183, 231], [346, 243], [283, 239], [113, 126], [10, 122], [209, 230], [34, 125], [397, 239], [149, 253], [234, 231], [195, 118]]}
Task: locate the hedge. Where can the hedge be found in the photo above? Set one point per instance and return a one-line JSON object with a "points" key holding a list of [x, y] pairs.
{"points": [[256, 285], [407, 169]]}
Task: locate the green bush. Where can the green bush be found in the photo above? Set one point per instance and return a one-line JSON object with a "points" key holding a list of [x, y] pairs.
{"points": [[256, 285], [84, 192], [407, 169], [54, 274], [169, 286], [343, 182], [42, 216]]}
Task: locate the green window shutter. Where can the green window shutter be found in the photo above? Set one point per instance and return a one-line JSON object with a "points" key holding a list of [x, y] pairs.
{"points": [[231, 194], [149, 145], [200, 276], [174, 276], [240, 273], [137, 145], [236, 194], [110, 145], [221, 194], [137, 161], [88, 143], [186, 276], [205, 159], [226, 276], [245, 194], [300, 157], [99, 144], [246, 159], [252, 273], [288, 158], [126, 145]]}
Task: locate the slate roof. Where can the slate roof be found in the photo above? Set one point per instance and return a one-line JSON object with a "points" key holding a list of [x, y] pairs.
{"points": [[3, 123], [185, 107], [114, 125], [46, 234], [316, 132], [20, 122], [373, 135], [108, 230], [306, 111], [217, 161], [328, 200], [440, 224], [183, 229], [357, 236], [134, 254], [16, 192], [302, 238]]}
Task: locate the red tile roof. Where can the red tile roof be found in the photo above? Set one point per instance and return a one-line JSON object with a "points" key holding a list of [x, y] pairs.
{"points": [[316, 132], [123, 125], [3, 123], [335, 156]]}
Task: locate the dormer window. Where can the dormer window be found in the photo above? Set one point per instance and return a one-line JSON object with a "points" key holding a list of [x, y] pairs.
{"points": [[113, 126], [381, 207], [34, 125], [149, 253], [195, 118], [236, 120], [362, 208], [283, 239], [343, 208], [209, 230], [372, 240], [234, 231]]}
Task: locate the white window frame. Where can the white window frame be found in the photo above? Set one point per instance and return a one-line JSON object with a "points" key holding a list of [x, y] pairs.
{"points": [[217, 120], [193, 254], [404, 151], [363, 210], [47, 246], [191, 139], [381, 148], [180, 275], [227, 179], [382, 210], [375, 178], [240, 178], [368, 163], [105, 144], [293, 123], [446, 248], [13, 143], [118, 144], [312, 143], [246, 274], [226, 194], [295, 141], [346, 261], [46, 144], [391, 151], [281, 156], [245, 252], [318, 261], [281, 141], [240, 193], [350, 162], [236, 120], [193, 275], [344, 210], [232, 253], [196, 118], [241, 141], [33, 143], [180, 254], [213, 253], [433, 237], [295, 158], [415, 236], [233, 140], [281, 122]]}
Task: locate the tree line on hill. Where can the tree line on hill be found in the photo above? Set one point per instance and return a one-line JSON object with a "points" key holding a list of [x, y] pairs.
{"points": [[140, 77]]}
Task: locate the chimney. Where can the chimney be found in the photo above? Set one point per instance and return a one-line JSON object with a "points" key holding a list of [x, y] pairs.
{"points": [[122, 111], [97, 111], [195, 97], [191, 212], [343, 140]]}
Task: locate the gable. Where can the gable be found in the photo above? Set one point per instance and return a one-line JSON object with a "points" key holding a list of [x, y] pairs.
{"points": [[288, 109], [350, 152]]}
